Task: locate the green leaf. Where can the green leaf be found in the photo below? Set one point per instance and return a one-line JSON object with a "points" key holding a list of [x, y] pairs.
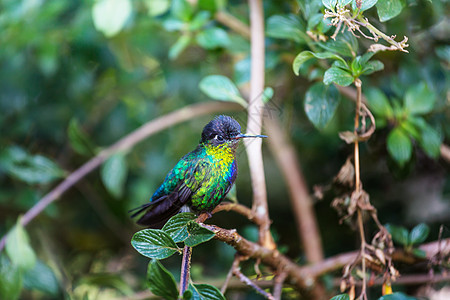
{"points": [[388, 9], [182, 10], [176, 227], [399, 146], [78, 139], [430, 141], [365, 5], [32, 169], [10, 279], [160, 281], [345, 44], [419, 233], [41, 278], [154, 243], [110, 16], [338, 76], [219, 87], [267, 94], [309, 7], [399, 234], [205, 292], [372, 66], [304, 56], [114, 173], [419, 253], [379, 104], [200, 19], [330, 4], [320, 104], [157, 7], [197, 234], [397, 296], [343, 3], [19, 249], [341, 297], [179, 46], [212, 38], [285, 27], [419, 99]]}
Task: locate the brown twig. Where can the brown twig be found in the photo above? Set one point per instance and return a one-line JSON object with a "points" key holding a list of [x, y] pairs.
{"points": [[124, 144], [278, 286], [234, 23], [303, 277], [236, 207], [254, 123]]}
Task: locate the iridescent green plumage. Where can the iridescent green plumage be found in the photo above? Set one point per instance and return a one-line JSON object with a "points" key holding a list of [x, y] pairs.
{"points": [[201, 179]]}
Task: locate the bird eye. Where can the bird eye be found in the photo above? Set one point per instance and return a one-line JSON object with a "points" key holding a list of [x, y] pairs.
{"points": [[219, 138]]}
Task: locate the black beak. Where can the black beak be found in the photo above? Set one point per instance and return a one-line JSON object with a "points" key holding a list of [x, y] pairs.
{"points": [[241, 136]]}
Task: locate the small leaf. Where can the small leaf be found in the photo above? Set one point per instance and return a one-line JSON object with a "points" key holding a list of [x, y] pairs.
{"points": [[341, 297], [197, 234], [346, 45], [399, 146], [285, 27], [419, 99], [388, 9], [32, 169], [320, 104], [78, 139], [154, 243], [379, 104], [110, 16], [372, 66], [330, 4], [348, 136], [179, 46], [41, 278], [176, 227], [157, 7], [338, 76], [181, 9], [429, 139], [343, 3], [399, 234], [419, 233], [365, 5], [212, 38], [160, 281], [19, 249], [114, 173], [267, 94], [219, 87], [304, 56], [205, 292], [200, 20], [10, 279], [419, 253]]}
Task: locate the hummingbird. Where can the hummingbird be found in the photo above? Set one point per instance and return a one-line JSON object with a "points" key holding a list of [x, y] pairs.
{"points": [[201, 179]]}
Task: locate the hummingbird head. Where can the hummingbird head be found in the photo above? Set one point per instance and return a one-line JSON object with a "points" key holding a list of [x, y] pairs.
{"points": [[224, 130]]}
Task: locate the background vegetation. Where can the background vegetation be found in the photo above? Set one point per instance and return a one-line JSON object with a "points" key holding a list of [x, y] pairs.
{"points": [[77, 76]]}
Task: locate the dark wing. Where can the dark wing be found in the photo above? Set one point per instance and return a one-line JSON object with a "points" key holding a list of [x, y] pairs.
{"points": [[184, 179]]}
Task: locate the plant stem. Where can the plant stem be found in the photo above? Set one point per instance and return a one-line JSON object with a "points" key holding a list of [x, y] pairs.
{"points": [[185, 270]]}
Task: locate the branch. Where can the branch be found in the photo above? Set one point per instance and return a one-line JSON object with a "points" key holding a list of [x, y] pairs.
{"points": [[303, 277], [234, 23], [123, 145], [254, 123]]}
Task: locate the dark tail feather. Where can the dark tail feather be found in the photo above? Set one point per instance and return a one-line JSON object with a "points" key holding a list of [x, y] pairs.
{"points": [[158, 212]]}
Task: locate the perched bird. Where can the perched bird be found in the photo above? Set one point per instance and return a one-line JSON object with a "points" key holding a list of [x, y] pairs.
{"points": [[201, 179]]}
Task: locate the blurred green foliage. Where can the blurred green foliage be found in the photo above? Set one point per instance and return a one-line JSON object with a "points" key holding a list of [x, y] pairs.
{"points": [[78, 75]]}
